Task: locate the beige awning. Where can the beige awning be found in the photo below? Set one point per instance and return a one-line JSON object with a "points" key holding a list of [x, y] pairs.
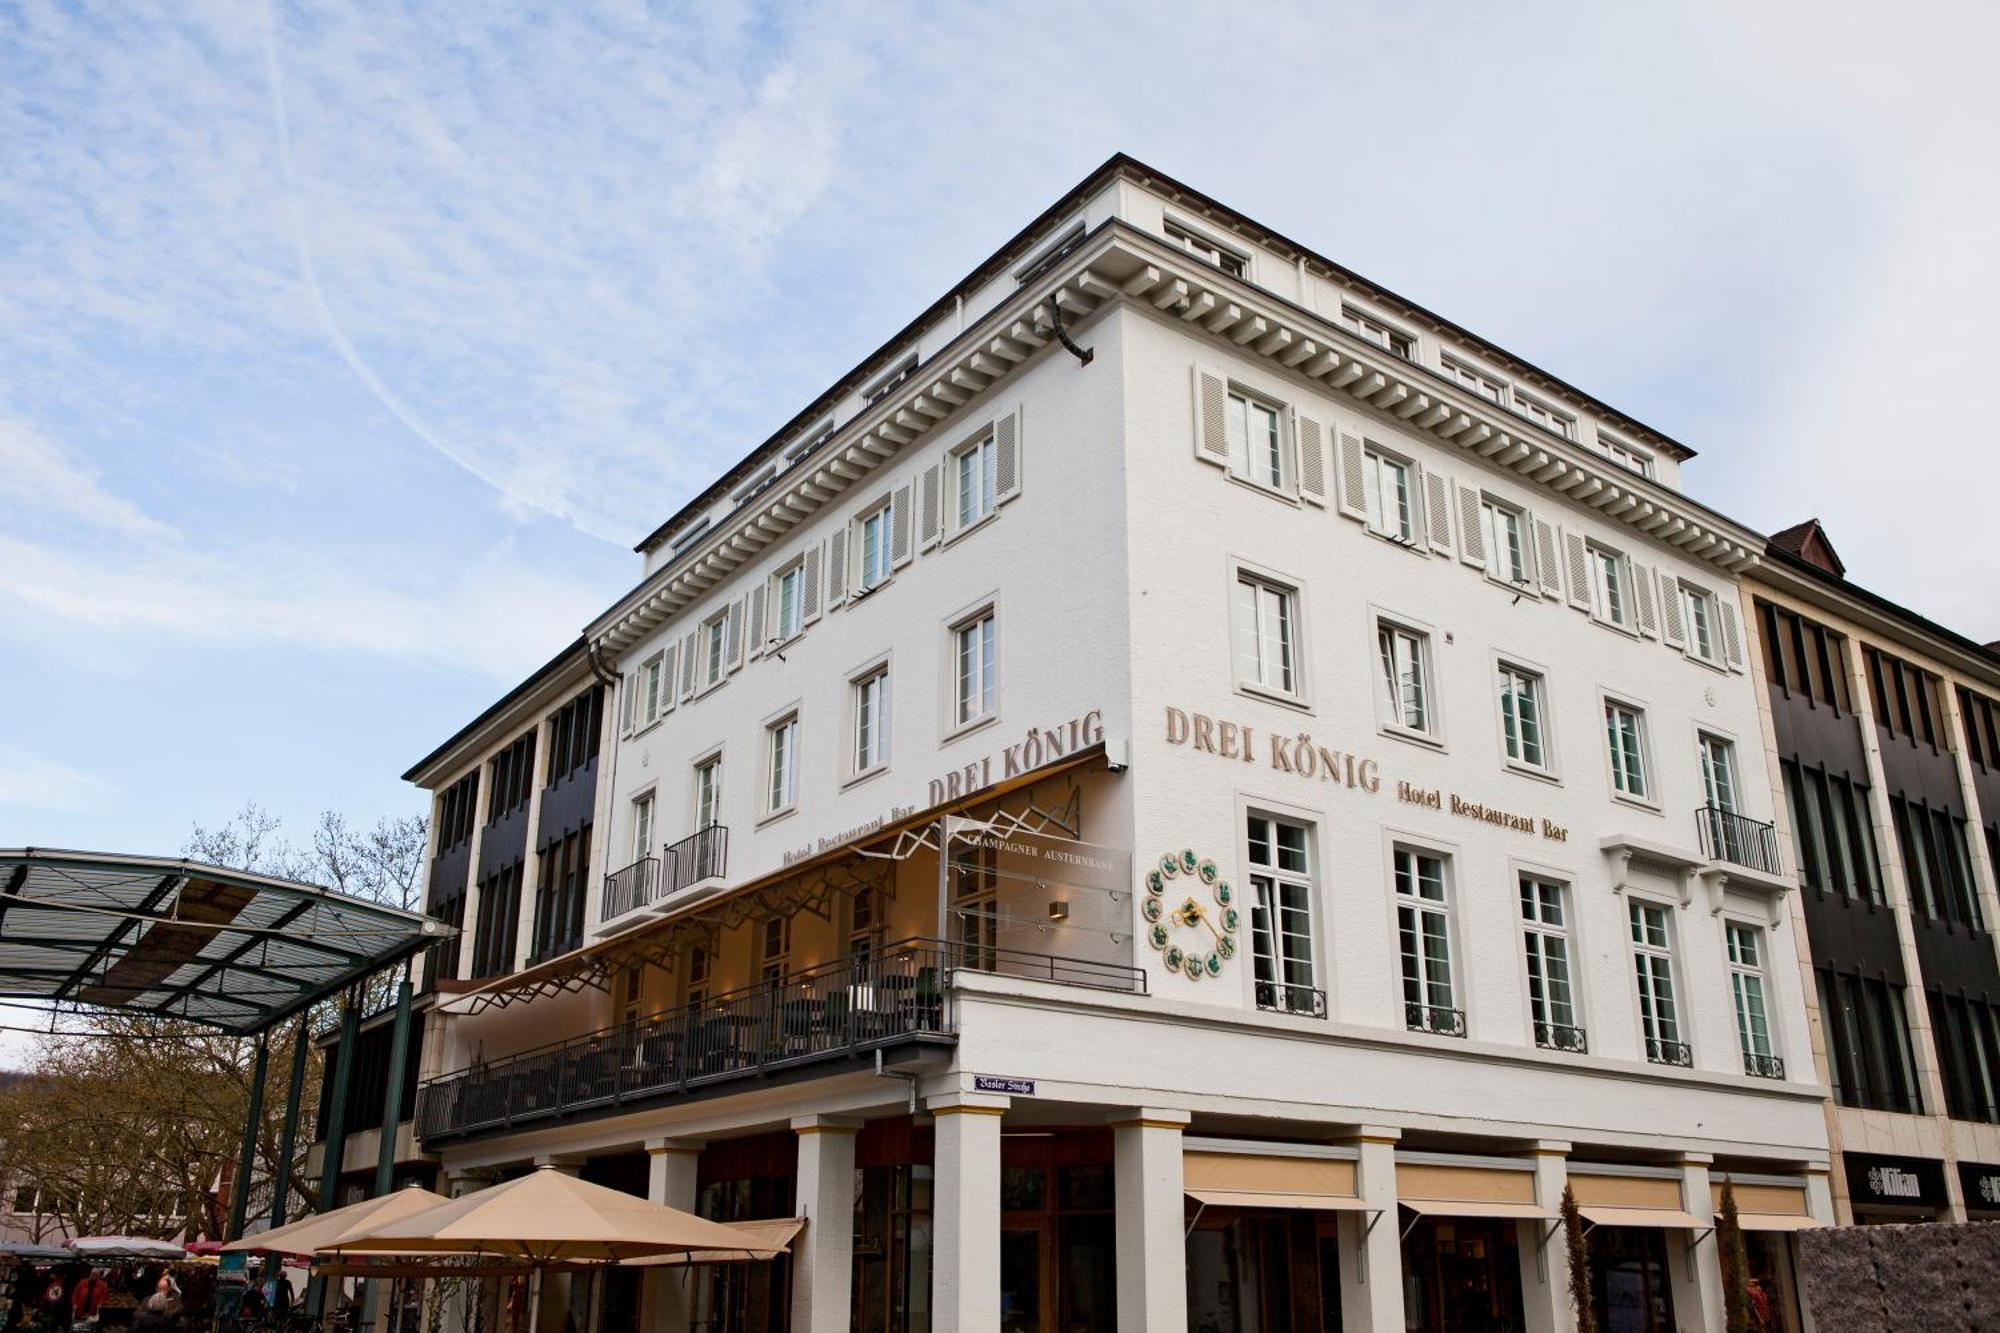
{"points": [[1768, 1205], [761, 1240], [1462, 1189], [1273, 1199], [1599, 1215], [1776, 1222], [1258, 1180], [1475, 1208], [323, 1230]]}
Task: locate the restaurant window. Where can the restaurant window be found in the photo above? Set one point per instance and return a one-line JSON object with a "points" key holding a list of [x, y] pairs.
{"points": [[871, 721], [1935, 862], [1833, 833], [1406, 677], [708, 792], [1746, 989], [975, 667], [781, 765], [1630, 1290], [874, 544], [1545, 936], [1375, 331], [1610, 598], [1868, 1041], [1423, 933], [1521, 715], [511, 780], [576, 731], [864, 928], [1256, 432], [891, 1285], [1506, 531], [1653, 965], [1625, 735], [1388, 492], [1804, 659], [1281, 916], [974, 473], [1267, 635], [1229, 261], [694, 990], [1968, 1044], [975, 904]]}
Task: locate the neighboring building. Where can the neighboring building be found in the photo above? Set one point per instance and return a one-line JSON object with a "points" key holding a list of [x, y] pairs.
{"points": [[1214, 833], [1886, 736]]}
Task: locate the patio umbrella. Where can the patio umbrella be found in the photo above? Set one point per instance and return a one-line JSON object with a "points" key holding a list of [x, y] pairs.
{"points": [[126, 1247], [323, 1230], [763, 1239]]}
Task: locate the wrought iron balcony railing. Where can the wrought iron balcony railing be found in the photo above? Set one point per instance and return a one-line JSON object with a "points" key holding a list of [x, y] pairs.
{"points": [[1284, 998], [631, 888], [1434, 1018], [1728, 836], [1663, 1052], [1561, 1037], [703, 854], [1763, 1066]]}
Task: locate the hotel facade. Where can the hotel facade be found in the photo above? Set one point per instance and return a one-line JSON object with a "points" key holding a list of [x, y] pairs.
{"points": [[1186, 792]]}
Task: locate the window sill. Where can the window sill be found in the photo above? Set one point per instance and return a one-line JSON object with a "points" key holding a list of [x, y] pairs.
{"points": [[1282, 494], [1419, 738], [1525, 588], [863, 594], [710, 688], [1629, 631], [1250, 690], [1521, 770], [967, 728], [777, 644], [1410, 544], [865, 775], [777, 815], [1636, 802], [952, 535], [637, 732], [1719, 667]]}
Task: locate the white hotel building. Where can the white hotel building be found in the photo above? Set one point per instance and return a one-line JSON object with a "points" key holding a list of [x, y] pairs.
{"points": [[1354, 816]]}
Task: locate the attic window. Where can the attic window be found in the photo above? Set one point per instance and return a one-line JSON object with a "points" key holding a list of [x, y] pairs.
{"points": [[882, 387], [809, 442], [1232, 262], [690, 537], [1051, 255], [749, 489], [1625, 455]]}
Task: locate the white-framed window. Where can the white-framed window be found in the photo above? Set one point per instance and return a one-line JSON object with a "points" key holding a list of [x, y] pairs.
{"points": [[1623, 454], [1728, 836], [871, 720], [1746, 988], [649, 691], [1545, 938], [1281, 913], [973, 481], [1506, 541], [781, 765], [695, 986], [1406, 676], [1256, 431], [879, 390], [874, 546], [642, 827], [714, 643], [1625, 735], [1267, 639], [708, 792], [788, 603], [1423, 934], [975, 667], [1653, 968], [1388, 489], [1492, 390], [1375, 331], [1610, 593], [774, 947], [1521, 714], [1698, 609], [1562, 423], [1229, 261]]}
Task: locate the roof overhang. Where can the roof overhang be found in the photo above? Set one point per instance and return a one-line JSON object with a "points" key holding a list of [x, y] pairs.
{"points": [[168, 938]]}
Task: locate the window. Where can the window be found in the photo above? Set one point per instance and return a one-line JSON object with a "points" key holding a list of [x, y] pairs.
{"points": [[788, 598], [1653, 961], [1229, 261], [707, 792], [1718, 772], [1374, 331], [1746, 988], [1545, 935], [1699, 608], [1492, 390], [882, 387], [575, 733], [1386, 491], [973, 480], [1521, 715], [1266, 635], [1805, 658], [1624, 731], [1868, 1041], [455, 818], [1405, 657], [1608, 599], [782, 747], [511, 778], [1833, 833], [1936, 861], [1907, 698], [875, 549], [1256, 440], [714, 637], [975, 897], [774, 947], [698, 968], [863, 931], [1543, 415], [1624, 455], [871, 721], [1281, 917], [1506, 542], [1423, 930], [1968, 1037], [649, 687], [975, 669], [642, 827]]}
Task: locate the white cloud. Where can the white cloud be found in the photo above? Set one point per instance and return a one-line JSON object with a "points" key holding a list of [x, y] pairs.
{"points": [[50, 482], [33, 782]]}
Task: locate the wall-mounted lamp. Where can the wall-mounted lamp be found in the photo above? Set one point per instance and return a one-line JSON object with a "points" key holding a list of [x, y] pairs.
{"points": [[1059, 910]]}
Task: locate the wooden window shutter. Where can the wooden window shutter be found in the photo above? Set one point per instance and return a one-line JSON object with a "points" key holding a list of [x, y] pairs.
{"points": [[669, 696], [930, 517], [1547, 573], [1007, 457], [836, 568], [1353, 478], [687, 662], [1732, 637], [732, 651], [1419, 520], [810, 575], [1437, 509], [758, 634], [899, 527], [1312, 458], [1211, 433], [1471, 527], [1577, 565], [1671, 630], [1642, 599]]}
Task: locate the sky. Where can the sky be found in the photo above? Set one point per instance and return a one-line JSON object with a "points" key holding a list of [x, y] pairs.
{"points": [[345, 352]]}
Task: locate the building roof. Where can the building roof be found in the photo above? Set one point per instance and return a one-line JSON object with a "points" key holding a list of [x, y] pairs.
{"points": [[574, 653], [1809, 542]]}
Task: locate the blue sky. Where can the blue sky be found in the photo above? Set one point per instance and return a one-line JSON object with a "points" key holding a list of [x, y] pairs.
{"points": [[345, 352]]}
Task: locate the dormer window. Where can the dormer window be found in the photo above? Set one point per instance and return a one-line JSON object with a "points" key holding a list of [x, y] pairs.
{"points": [[1492, 390], [1562, 423], [749, 489], [690, 537], [1624, 454], [810, 441]]}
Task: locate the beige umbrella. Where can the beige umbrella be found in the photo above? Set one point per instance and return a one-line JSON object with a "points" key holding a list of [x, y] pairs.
{"points": [[324, 1230], [763, 1239]]}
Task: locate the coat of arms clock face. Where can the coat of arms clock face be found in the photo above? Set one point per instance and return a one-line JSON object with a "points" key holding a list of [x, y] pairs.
{"points": [[1191, 914]]}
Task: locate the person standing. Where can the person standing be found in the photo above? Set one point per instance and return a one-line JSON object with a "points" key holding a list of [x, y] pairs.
{"points": [[86, 1299]]}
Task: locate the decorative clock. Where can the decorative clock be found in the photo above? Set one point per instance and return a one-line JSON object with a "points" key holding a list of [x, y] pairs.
{"points": [[1191, 914]]}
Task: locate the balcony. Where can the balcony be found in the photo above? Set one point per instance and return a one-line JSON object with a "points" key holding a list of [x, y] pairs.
{"points": [[1561, 1037], [703, 854], [1763, 1066], [1280, 997], [1434, 1018], [1663, 1052], [1728, 836], [821, 1018], [629, 889]]}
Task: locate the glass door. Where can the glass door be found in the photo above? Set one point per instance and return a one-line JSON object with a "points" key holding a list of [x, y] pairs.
{"points": [[1023, 1292]]}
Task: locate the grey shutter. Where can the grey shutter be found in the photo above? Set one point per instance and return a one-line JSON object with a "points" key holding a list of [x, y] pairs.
{"points": [[1547, 572], [836, 568], [1007, 457], [930, 515], [1732, 639], [1471, 528], [758, 634], [669, 696], [630, 689], [1577, 566], [1419, 520], [687, 662], [1642, 598], [1437, 509], [732, 650], [1353, 478], [899, 527], [1312, 458], [1211, 433], [1671, 629], [810, 575]]}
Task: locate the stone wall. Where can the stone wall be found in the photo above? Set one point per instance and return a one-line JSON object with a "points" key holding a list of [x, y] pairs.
{"points": [[1889, 1279]]}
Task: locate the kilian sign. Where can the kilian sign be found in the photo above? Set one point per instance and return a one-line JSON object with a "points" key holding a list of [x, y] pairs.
{"points": [[1904, 1182], [1981, 1187]]}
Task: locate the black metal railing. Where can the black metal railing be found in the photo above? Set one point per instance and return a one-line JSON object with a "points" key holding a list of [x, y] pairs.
{"points": [[898, 993], [703, 854], [1763, 1066], [631, 888], [1728, 836], [1561, 1037], [1284, 998], [1663, 1052], [1433, 1018]]}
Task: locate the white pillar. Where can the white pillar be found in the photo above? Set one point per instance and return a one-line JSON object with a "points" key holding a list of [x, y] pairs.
{"points": [[823, 1257], [673, 1169], [1371, 1242], [965, 1213], [1152, 1243], [1694, 1266], [1544, 1257]]}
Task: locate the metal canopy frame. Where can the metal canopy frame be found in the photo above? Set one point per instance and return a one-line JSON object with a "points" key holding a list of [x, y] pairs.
{"points": [[172, 938]]}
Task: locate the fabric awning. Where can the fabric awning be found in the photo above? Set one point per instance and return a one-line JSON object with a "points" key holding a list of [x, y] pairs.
{"points": [[1260, 1180], [1776, 1222], [1600, 1215], [1476, 1208], [761, 1240], [1274, 1199]]}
